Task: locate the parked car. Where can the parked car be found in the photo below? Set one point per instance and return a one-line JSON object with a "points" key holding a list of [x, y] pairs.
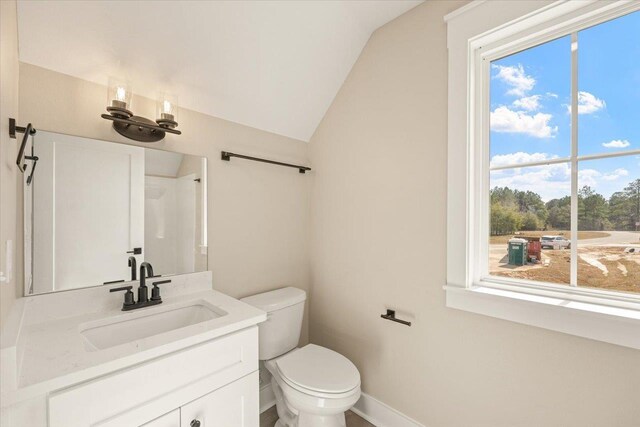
{"points": [[555, 242]]}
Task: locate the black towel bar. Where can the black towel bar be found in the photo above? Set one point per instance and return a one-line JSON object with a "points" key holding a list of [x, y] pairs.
{"points": [[226, 155]]}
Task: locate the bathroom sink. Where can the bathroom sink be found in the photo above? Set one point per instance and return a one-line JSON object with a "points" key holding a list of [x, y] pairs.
{"points": [[146, 324]]}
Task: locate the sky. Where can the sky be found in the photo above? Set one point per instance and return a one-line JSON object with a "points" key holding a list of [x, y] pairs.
{"points": [[530, 97]]}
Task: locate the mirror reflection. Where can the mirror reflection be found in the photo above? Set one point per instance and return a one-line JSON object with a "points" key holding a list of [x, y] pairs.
{"points": [[95, 210]]}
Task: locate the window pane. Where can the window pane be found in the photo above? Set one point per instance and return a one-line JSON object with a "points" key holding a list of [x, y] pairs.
{"points": [[609, 214], [529, 92], [532, 207], [609, 86]]}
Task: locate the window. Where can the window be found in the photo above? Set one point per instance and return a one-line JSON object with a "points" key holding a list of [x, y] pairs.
{"points": [[564, 160], [543, 145]]}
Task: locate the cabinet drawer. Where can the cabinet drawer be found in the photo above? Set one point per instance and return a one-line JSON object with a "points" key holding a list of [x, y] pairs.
{"points": [[234, 405], [141, 393], [172, 419]]}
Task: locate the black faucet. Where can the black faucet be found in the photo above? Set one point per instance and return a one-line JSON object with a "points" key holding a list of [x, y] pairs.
{"points": [[132, 264], [146, 270]]}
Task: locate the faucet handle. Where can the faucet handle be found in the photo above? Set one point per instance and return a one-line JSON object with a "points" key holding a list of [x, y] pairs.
{"points": [[128, 296], [155, 292]]}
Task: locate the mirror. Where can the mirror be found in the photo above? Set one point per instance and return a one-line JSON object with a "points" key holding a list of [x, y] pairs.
{"points": [[94, 207]]}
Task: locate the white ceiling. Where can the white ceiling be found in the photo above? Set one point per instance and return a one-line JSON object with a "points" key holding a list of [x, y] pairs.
{"points": [[272, 65]]}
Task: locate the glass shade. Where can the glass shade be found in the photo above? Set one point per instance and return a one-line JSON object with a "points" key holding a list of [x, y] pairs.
{"points": [[119, 93], [167, 108]]}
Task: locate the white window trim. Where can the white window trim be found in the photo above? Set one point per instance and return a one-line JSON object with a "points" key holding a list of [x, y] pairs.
{"points": [[597, 314]]}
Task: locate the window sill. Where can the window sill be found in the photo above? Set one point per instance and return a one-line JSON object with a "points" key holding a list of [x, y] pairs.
{"points": [[620, 326]]}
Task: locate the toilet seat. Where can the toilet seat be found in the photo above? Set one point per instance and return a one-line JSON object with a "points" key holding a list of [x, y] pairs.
{"points": [[320, 372]]}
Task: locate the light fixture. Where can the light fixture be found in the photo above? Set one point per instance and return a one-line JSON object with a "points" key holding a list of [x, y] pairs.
{"points": [[136, 127], [119, 98], [167, 110]]}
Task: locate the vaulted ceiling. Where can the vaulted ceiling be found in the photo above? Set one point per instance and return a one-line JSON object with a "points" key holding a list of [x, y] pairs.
{"points": [[272, 65]]}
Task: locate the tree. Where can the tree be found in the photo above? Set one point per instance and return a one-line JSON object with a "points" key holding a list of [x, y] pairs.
{"points": [[514, 210], [624, 207], [559, 217], [593, 210], [530, 222], [504, 220], [504, 196], [528, 201], [521, 202], [633, 193]]}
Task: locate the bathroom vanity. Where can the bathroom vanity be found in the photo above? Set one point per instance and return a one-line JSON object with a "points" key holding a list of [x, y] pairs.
{"points": [[75, 359]]}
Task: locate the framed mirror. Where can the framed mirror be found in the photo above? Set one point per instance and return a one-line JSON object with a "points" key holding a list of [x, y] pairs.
{"points": [[95, 210]]}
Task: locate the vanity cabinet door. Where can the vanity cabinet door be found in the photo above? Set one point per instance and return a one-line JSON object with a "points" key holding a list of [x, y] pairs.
{"points": [[172, 419], [235, 405]]}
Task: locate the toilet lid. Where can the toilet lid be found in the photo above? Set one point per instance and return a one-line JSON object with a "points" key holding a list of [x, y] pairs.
{"points": [[319, 369]]}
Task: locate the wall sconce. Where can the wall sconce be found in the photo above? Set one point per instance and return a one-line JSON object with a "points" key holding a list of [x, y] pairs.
{"points": [[119, 98], [167, 111], [136, 127]]}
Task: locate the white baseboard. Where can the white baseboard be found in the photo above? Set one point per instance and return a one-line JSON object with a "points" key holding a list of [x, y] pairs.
{"points": [[380, 414], [267, 398]]}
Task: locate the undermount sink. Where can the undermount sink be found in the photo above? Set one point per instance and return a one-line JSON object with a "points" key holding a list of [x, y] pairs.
{"points": [[135, 326]]}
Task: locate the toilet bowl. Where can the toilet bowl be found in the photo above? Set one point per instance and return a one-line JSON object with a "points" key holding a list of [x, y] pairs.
{"points": [[313, 385]]}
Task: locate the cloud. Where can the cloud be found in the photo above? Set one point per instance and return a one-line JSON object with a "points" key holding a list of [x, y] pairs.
{"points": [[588, 177], [519, 158], [588, 103], [549, 181], [616, 143], [515, 77], [618, 173], [505, 120], [592, 177], [529, 103]]}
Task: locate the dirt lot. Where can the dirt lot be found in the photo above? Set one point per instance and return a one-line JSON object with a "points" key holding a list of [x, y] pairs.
{"points": [[582, 235], [598, 266]]}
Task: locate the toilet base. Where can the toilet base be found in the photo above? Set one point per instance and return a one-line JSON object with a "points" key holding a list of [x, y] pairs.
{"points": [[289, 417], [307, 420]]}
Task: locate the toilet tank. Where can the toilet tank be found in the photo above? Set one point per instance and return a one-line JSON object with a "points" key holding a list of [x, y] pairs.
{"points": [[280, 333]]}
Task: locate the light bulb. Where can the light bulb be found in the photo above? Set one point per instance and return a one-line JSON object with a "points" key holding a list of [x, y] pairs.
{"points": [[121, 94], [167, 110], [166, 107]]}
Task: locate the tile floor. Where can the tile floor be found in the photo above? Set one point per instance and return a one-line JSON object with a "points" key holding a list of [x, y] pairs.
{"points": [[269, 418]]}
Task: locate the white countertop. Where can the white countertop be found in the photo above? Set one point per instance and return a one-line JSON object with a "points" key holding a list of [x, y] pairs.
{"points": [[50, 353]]}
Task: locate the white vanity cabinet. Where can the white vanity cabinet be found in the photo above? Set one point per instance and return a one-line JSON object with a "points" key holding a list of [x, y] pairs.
{"points": [[235, 405], [172, 419], [215, 383]]}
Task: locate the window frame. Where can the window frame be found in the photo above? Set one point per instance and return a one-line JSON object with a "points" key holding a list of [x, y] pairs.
{"points": [[594, 313], [484, 54]]}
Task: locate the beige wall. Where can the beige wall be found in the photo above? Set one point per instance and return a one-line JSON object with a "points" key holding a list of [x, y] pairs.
{"points": [[258, 213], [8, 150], [379, 240]]}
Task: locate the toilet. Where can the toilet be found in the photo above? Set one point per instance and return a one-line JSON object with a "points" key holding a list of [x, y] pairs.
{"points": [[313, 385]]}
